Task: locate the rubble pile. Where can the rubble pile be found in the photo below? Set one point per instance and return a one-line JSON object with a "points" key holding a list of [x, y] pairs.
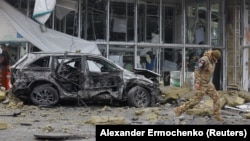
{"points": [[233, 99], [6, 97]]}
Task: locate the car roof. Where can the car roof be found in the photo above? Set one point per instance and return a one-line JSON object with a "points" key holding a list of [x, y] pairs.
{"points": [[35, 55], [62, 53]]}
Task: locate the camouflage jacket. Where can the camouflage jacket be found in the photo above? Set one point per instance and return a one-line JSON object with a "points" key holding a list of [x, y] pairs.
{"points": [[203, 75]]}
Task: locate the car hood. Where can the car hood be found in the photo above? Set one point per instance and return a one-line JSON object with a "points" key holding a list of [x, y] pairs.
{"points": [[146, 73], [131, 75]]}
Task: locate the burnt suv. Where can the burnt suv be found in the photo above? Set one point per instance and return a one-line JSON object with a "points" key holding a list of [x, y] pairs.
{"points": [[47, 78]]}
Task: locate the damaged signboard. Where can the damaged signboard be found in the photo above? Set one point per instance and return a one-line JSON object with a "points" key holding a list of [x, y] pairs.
{"points": [[46, 78]]}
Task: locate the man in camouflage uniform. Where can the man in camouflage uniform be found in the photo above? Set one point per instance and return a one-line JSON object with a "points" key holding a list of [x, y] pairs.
{"points": [[203, 84]]}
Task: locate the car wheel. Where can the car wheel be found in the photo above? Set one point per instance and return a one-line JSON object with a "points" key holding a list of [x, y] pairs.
{"points": [[138, 97], [44, 95]]}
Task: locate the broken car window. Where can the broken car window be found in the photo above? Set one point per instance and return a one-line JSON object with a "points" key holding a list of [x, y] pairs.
{"points": [[42, 62], [97, 65]]}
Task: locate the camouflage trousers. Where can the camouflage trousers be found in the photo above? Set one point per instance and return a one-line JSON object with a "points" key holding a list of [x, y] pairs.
{"points": [[207, 89]]}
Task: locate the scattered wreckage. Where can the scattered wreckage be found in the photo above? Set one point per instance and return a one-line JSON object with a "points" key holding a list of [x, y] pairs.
{"points": [[234, 101], [47, 78]]}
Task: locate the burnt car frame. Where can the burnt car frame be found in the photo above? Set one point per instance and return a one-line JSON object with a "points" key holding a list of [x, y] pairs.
{"points": [[47, 78]]}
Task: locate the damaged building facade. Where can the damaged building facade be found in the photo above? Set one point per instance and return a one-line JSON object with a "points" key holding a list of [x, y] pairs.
{"points": [[165, 36]]}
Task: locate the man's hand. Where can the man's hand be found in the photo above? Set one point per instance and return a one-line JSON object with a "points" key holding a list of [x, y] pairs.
{"points": [[201, 64]]}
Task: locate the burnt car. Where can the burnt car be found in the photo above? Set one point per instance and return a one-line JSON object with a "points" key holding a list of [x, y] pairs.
{"points": [[47, 78]]}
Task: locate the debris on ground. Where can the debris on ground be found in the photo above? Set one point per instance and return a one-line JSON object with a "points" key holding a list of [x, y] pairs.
{"points": [[3, 94], [3, 125], [11, 114], [10, 100], [71, 121], [59, 136], [106, 120], [234, 97]]}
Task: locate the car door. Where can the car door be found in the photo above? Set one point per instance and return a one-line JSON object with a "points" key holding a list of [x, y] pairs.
{"points": [[69, 73], [103, 77]]}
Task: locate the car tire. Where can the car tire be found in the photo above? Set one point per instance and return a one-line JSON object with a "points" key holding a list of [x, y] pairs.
{"points": [[44, 95], [138, 97]]}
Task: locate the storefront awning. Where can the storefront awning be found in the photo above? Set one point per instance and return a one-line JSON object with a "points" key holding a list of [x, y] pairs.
{"points": [[46, 39], [8, 32]]}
